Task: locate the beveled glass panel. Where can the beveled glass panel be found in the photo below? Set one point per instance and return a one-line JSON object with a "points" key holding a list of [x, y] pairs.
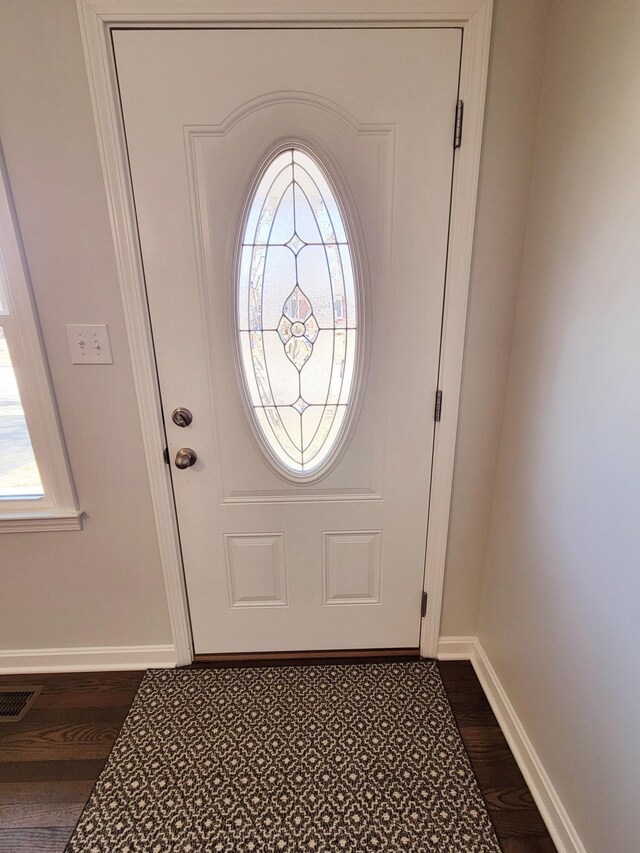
{"points": [[308, 228], [316, 379], [283, 227], [270, 204], [313, 269], [297, 312], [279, 282], [283, 375]]}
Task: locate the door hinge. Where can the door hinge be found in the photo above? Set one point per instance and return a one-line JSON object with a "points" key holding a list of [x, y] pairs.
{"points": [[423, 605], [438, 409], [457, 135], [166, 455]]}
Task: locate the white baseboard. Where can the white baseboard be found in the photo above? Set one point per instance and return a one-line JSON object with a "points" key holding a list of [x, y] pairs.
{"points": [[456, 648], [554, 814], [86, 659]]}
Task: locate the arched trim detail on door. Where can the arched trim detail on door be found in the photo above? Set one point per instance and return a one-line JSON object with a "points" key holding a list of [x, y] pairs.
{"points": [[287, 96]]}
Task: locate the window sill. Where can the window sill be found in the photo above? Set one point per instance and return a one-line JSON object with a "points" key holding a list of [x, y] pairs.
{"points": [[47, 520]]}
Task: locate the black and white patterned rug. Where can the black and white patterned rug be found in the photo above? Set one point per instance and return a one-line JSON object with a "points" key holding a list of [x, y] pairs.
{"points": [[364, 757]]}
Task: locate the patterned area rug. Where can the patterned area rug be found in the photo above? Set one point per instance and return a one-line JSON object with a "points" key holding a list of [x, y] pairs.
{"points": [[364, 757]]}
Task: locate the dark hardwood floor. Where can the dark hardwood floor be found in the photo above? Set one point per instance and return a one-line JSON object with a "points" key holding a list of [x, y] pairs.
{"points": [[515, 815], [50, 760]]}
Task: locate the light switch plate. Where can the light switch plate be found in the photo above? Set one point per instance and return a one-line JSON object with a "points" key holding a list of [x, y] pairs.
{"points": [[89, 344]]}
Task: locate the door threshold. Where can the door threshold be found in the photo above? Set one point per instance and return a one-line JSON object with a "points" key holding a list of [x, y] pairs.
{"points": [[307, 658]]}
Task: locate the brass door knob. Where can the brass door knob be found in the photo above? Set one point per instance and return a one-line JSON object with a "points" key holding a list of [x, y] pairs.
{"points": [[186, 457]]}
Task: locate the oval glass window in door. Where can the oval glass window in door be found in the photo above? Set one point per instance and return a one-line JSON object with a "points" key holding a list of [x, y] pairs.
{"points": [[297, 313]]}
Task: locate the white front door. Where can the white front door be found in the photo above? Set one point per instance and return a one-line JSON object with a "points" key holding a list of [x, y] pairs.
{"points": [[292, 189]]}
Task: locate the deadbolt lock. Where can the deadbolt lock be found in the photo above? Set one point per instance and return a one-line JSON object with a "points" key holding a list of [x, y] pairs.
{"points": [[181, 417]]}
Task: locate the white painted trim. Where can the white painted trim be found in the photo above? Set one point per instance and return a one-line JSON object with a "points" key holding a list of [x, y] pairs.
{"points": [[19, 323], [473, 84], [86, 659], [553, 812], [40, 521], [97, 17], [191, 13], [102, 83], [456, 648]]}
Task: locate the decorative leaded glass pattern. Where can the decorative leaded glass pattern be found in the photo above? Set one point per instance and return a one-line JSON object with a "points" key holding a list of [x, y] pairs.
{"points": [[297, 312]]}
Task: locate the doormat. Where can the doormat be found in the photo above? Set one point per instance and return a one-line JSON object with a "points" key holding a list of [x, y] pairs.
{"points": [[361, 757]]}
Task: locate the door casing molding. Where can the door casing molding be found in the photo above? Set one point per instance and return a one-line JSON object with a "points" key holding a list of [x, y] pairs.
{"points": [[97, 19]]}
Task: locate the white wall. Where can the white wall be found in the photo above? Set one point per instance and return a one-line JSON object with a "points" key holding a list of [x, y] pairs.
{"points": [[103, 585], [560, 600], [560, 615], [513, 92]]}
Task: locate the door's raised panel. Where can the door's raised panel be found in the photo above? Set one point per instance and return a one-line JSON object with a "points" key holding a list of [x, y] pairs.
{"points": [[256, 569], [361, 160], [352, 563]]}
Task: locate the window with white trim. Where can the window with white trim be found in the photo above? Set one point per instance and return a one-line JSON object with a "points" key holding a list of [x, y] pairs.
{"points": [[36, 492]]}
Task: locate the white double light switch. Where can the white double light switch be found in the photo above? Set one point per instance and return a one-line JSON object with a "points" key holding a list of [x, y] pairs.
{"points": [[89, 344]]}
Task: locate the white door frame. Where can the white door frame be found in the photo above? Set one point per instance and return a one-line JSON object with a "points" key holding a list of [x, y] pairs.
{"points": [[97, 19]]}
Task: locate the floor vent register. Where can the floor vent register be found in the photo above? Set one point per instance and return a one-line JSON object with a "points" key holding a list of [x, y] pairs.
{"points": [[15, 702]]}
